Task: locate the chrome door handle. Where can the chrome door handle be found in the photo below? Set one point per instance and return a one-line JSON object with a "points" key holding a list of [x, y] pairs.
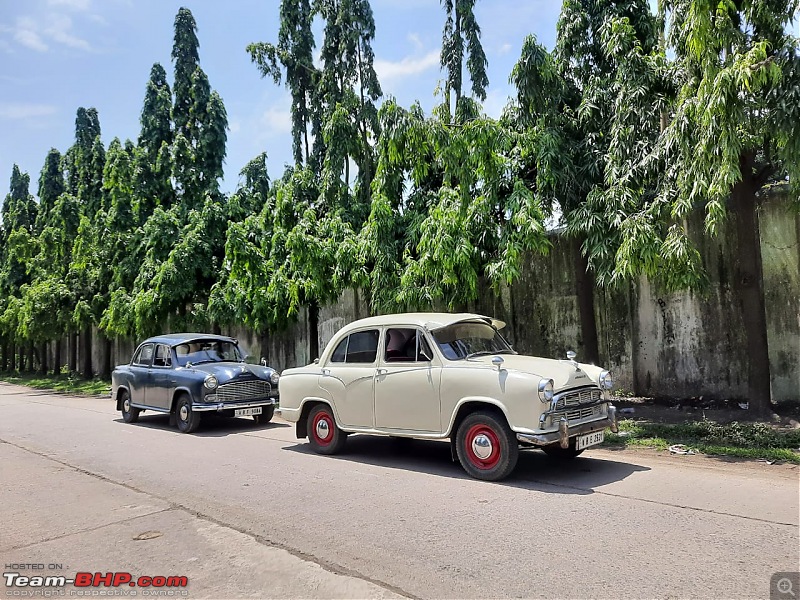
{"points": [[326, 371], [382, 371]]}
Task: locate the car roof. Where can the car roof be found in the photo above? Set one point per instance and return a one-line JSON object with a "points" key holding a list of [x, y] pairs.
{"points": [[428, 320], [174, 339]]}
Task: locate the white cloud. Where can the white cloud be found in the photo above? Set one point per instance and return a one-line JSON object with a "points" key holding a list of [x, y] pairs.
{"points": [[17, 111], [388, 70], [414, 39], [276, 121], [25, 33], [73, 4], [234, 125], [59, 29], [56, 28], [504, 49]]}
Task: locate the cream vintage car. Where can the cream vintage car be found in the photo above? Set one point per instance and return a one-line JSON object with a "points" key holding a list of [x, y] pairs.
{"points": [[447, 376]]}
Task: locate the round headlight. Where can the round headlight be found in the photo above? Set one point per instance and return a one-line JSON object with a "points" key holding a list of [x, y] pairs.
{"points": [[606, 380], [211, 382], [546, 390], [273, 379]]}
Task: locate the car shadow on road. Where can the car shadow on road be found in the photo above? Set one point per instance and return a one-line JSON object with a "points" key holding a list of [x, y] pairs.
{"points": [[535, 470], [210, 426]]}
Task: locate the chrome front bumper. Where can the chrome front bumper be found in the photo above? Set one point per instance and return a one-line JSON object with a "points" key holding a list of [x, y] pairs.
{"points": [[220, 406], [565, 431]]}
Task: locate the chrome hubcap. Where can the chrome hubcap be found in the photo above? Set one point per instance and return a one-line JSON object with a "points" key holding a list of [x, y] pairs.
{"points": [[126, 405], [482, 446], [323, 431], [184, 413]]}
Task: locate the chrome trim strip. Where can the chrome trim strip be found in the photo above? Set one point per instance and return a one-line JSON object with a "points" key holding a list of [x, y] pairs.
{"points": [[145, 407], [218, 406]]}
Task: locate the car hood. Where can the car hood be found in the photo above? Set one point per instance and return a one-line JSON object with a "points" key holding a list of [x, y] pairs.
{"points": [[226, 371], [564, 373]]}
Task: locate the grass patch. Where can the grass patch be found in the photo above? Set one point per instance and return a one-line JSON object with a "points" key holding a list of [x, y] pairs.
{"points": [[68, 383], [743, 440]]}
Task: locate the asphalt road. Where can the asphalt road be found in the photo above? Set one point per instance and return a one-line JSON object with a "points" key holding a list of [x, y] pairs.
{"points": [[248, 511]]}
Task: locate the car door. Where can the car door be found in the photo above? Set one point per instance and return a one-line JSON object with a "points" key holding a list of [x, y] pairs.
{"points": [[162, 377], [349, 378], [407, 383], [140, 373]]}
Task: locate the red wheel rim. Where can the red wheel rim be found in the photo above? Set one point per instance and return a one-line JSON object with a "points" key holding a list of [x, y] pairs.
{"points": [[479, 454], [322, 428]]}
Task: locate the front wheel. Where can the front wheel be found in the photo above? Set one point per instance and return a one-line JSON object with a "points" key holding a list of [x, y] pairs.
{"points": [[324, 435], [266, 415], [130, 414], [186, 418], [486, 446]]}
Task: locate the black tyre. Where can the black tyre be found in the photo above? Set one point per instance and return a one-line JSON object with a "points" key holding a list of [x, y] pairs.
{"points": [[186, 419], [266, 415], [130, 414], [556, 451], [486, 446], [324, 435]]}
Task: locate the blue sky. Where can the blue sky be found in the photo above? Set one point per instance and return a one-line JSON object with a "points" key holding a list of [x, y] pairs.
{"points": [[58, 55]]}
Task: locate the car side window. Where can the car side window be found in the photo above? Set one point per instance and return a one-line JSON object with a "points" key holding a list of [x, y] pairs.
{"points": [[143, 356], [340, 352], [406, 345], [362, 346], [162, 357]]}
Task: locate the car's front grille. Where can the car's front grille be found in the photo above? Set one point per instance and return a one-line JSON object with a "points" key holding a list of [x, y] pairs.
{"points": [[236, 391], [576, 399], [577, 414]]}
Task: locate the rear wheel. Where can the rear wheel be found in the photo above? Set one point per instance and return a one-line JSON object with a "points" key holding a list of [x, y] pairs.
{"points": [[186, 419], [486, 446], [130, 414], [324, 435], [266, 415]]}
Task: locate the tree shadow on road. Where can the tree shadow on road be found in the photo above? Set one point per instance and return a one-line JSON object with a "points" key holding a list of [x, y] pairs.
{"points": [[210, 426], [535, 470]]}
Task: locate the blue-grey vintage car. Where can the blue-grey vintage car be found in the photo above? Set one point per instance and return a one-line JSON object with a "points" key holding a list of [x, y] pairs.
{"points": [[189, 374]]}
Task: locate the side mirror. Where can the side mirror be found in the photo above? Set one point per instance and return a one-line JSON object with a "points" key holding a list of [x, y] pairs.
{"points": [[498, 361], [316, 361], [263, 362]]}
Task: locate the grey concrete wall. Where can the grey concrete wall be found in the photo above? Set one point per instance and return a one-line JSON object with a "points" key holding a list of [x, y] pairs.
{"points": [[657, 343]]}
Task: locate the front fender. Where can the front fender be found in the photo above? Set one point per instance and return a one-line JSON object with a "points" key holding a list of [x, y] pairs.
{"points": [[472, 403]]}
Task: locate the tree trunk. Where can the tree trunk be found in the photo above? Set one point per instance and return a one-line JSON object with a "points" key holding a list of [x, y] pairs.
{"points": [[29, 358], [12, 357], [749, 285], [584, 289], [86, 353], [264, 339], [43, 359], [57, 358], [313, 330], [72, 342], [104, 368], [6, 348]]}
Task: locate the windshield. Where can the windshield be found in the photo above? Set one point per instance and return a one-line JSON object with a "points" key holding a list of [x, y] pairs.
{"points": [[205, 351], [463, 340]]}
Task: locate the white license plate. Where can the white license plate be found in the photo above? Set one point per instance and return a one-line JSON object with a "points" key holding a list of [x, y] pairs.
{"points": [[246, 412], [590, 439]]}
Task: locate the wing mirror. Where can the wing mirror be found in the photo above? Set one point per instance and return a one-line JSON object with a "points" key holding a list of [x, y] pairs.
{"points": [[263, 362], [316, 361], [498, 361]]}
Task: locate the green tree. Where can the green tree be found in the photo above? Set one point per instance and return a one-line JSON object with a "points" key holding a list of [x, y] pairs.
{"points": [[152, 164], [735, 125], [462, 35], [567, 104], [293, 52]]}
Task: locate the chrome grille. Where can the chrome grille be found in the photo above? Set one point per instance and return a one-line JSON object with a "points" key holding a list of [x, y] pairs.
{"points": [[243, 390], [577, 414], [575, 399]]}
